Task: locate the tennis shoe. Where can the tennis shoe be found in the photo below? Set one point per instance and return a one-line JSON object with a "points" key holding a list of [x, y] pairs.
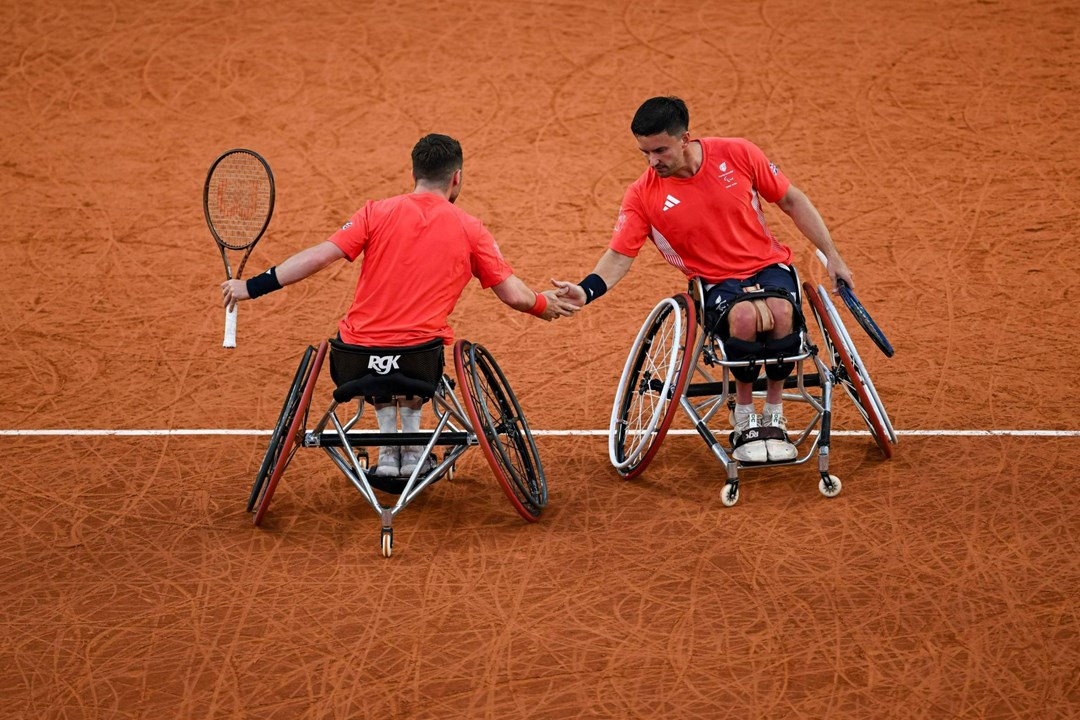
{"points": [[778, 449], [410, 456], [389, 462], [748, 445]]}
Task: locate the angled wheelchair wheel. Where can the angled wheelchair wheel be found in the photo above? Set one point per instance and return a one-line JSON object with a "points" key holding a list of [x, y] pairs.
{"points": [[277, 437], [653, 380], [294, 432], [849, 369], [501, 429]]}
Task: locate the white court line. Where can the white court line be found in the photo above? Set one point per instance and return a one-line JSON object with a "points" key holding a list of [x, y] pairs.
{"points": [[540, 433]]}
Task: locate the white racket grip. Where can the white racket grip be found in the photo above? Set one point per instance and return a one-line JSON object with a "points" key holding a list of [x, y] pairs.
{"points": [[230, 328]]}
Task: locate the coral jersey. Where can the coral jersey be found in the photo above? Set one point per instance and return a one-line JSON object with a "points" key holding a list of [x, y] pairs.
{"points": [[710, 225], [420, 251]]}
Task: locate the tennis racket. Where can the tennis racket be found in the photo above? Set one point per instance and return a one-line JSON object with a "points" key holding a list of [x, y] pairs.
{"points": [[860, 314], [238, 199]]}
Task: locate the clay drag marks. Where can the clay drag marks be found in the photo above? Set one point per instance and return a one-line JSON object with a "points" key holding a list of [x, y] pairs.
{"points": [[935, 137]]}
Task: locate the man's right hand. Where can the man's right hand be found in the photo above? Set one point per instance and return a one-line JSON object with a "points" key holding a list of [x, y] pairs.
{"points": [[234, 291], [570, 292], [557, 306]]}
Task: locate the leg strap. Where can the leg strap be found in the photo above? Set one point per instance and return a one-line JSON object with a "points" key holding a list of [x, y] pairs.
{"points": [[781, 347], [744, 350]]}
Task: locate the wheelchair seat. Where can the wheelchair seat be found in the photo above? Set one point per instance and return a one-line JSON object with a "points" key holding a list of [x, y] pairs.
{"points": [[381, 372]]}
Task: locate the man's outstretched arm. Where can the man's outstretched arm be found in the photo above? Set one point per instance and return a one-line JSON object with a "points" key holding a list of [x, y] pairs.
{"points": [[302, 265], [610, 269]]}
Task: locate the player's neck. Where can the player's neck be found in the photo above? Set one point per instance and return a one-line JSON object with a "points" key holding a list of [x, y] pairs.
{"points": [[422, 189], [694, 157]]}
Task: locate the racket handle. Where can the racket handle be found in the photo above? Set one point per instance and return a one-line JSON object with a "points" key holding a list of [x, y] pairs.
{"points": [[840, 282], [230, 328]]}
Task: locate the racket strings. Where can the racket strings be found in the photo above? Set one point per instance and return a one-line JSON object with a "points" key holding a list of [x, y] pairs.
{"points": [[239, 193]]}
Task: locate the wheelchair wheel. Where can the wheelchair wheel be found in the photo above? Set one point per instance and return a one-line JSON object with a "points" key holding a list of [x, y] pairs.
{"points": [[653, 380], [293, 435], [273, 449], [849, 369], [501, 429]]}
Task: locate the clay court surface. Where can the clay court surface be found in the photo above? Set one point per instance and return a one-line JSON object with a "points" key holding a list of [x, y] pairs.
{"points": [[937, 138]]}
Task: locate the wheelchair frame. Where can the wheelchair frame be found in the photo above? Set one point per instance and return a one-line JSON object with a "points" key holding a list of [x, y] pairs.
{"points": [[668, 367], [489, 417]]}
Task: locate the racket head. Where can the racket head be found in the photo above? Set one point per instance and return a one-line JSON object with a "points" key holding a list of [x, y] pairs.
{"points": [[238, 198], [865, 321]]}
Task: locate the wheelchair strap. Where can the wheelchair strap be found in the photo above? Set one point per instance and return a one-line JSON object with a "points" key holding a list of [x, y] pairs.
{"points": [[383, 386]]}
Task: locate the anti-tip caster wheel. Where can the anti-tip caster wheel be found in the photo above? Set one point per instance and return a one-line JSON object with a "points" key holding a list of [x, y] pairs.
{"points": [[829, 485]]}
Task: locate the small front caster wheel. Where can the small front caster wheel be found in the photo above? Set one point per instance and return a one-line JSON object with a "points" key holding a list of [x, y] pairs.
{"points": [[730, 494], [387, 541], [829, 485]]}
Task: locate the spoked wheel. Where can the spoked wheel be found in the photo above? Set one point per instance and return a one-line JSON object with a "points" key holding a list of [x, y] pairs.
{"points": [[293, 435], [652, 383], [849, 369], [288, 411], [501, 429]]}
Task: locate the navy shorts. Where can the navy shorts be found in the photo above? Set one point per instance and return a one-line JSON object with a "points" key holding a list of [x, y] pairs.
{"points": [[719, 296]]}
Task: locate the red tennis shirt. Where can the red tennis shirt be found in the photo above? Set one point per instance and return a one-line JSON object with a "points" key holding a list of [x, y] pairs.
{"points": [[710, 225], [420, 251]]}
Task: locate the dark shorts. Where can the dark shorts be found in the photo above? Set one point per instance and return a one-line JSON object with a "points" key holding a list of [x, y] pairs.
{"points": [[718, 298]]}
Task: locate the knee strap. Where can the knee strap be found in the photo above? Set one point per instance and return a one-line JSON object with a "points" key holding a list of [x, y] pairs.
{"points": [[764, 314], [781, 347], [716, 319], [737, 349]]}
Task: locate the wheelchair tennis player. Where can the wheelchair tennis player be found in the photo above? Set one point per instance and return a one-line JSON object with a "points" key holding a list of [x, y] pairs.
{"points": [[700, 202], [419, 252]]}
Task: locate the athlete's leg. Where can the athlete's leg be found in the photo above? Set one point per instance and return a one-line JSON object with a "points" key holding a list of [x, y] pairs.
{"points": [[386, 412], [410, 422], [742, 326], [772, 414]]}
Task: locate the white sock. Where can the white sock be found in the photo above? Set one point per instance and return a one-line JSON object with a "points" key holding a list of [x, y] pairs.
{"points": [[773, 409], [387, 417], [410, 419], [742, 411]]}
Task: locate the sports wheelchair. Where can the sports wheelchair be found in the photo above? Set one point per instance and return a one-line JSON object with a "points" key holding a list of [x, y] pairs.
{"points": [[672, 364], [489, 417]]}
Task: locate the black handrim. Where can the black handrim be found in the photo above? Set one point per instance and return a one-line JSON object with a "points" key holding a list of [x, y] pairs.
{"points": [[285, 418], [509, 434]]}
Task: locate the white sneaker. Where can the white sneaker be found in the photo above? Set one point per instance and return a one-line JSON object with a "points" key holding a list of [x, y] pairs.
{"points": [[778, 450], [389, 462], [748, 448], [410, 456]]}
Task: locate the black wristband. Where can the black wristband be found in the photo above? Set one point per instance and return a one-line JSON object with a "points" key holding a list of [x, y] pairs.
{"points": [[594, 286], [262, 284]]}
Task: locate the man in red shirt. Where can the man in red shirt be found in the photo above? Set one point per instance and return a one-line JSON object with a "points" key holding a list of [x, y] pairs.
{"points": [[420, 251], [700, 202]]}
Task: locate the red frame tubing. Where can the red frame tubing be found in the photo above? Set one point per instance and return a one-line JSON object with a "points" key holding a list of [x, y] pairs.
{"points": [[690, 337], [881, 437], [295, 428], [460, 348]]}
